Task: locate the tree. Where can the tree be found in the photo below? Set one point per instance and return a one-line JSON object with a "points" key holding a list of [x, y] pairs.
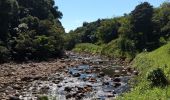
{"points": [[45, 8], [161, 20], [8, 9], [108, 30], [142, 24]]}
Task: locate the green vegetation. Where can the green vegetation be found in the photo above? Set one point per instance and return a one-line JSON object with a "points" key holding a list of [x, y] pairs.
{"points": [[122, 49], [150, 65], [43, 98], [145, 28], [87, 47], [30, 30]]}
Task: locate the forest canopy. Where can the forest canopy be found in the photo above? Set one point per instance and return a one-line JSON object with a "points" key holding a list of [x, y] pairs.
{"points": [[30, 29]]}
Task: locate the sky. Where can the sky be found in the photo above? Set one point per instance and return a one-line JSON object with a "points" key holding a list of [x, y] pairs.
{"points": [[75, 12]]}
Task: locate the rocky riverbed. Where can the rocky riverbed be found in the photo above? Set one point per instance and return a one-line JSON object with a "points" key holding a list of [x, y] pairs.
{"points": [[80, 76]]}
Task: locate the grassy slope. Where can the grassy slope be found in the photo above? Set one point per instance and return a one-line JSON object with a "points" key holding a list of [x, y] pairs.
{"points": [[87, 47], [112, 50], [145, 62]]}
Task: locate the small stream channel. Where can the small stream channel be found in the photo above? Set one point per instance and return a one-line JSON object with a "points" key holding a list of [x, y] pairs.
{"points": [[97, 79]]}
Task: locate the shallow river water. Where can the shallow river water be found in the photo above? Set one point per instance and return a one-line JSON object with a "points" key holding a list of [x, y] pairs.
{"points": [[99, 80]]}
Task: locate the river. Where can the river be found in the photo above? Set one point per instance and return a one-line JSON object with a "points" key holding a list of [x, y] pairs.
{"points": [[96, 78]]}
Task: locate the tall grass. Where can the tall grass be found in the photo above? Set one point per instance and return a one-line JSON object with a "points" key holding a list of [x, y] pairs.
{"points": [[145, 62], [88, 47]]}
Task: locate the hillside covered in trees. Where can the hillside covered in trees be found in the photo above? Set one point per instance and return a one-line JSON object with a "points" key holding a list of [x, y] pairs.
{"points": [[145, 28], [30, 29]]}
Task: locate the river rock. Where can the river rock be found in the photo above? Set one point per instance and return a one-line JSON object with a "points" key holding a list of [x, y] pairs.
{"points": [[68, 96], [116, 85], [135, 72], [101, 74], [44, 89], [76, 74], [117, 80], [92, 80], [110, 95], [106, 83], [67, 89], [14, 98], [27, 79], [17, 87]]}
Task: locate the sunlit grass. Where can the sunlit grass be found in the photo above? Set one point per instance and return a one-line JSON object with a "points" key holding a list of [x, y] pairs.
{"points": [[88, 47], [145, 62]]}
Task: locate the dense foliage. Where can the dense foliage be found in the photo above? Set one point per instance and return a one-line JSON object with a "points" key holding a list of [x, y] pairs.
{"points": [[30, 29], [145, 28]]}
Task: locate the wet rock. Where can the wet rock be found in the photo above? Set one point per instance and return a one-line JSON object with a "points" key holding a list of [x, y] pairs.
{"points": [[59, 86], [44, 89], [124, 72], [129, 69], [102, 74], [116, 85], [59, 78], [135, 72], [67, 89], [79, 96], [70, 72], [116, 75], [17, 87], [66, 71], [117, 71], [74, 94], [27, 79], [76, 74], [14, 98], [79, 88], [56, 81], [36, 78], [98, 69], [89, 71], [32, 65], [31, 78], [89, 85], [68, 96], [84, 62], [110, 95], [87, 89], [114, 92], [92, 80], [106, 83], [117, 80]]}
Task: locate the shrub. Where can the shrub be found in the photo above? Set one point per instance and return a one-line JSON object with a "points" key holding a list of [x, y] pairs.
{"points": [[157, 78], [4, 54], [43, 98]]}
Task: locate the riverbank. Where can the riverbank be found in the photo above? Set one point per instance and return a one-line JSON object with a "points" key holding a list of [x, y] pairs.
{"points": [[146, 62], [16, 78]]}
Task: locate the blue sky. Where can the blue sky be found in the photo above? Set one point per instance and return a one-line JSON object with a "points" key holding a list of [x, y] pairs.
{"points": [[75, 12]]}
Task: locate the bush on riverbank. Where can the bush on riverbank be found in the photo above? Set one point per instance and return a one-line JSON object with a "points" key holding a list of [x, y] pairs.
{"points": [[146, 62]]}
